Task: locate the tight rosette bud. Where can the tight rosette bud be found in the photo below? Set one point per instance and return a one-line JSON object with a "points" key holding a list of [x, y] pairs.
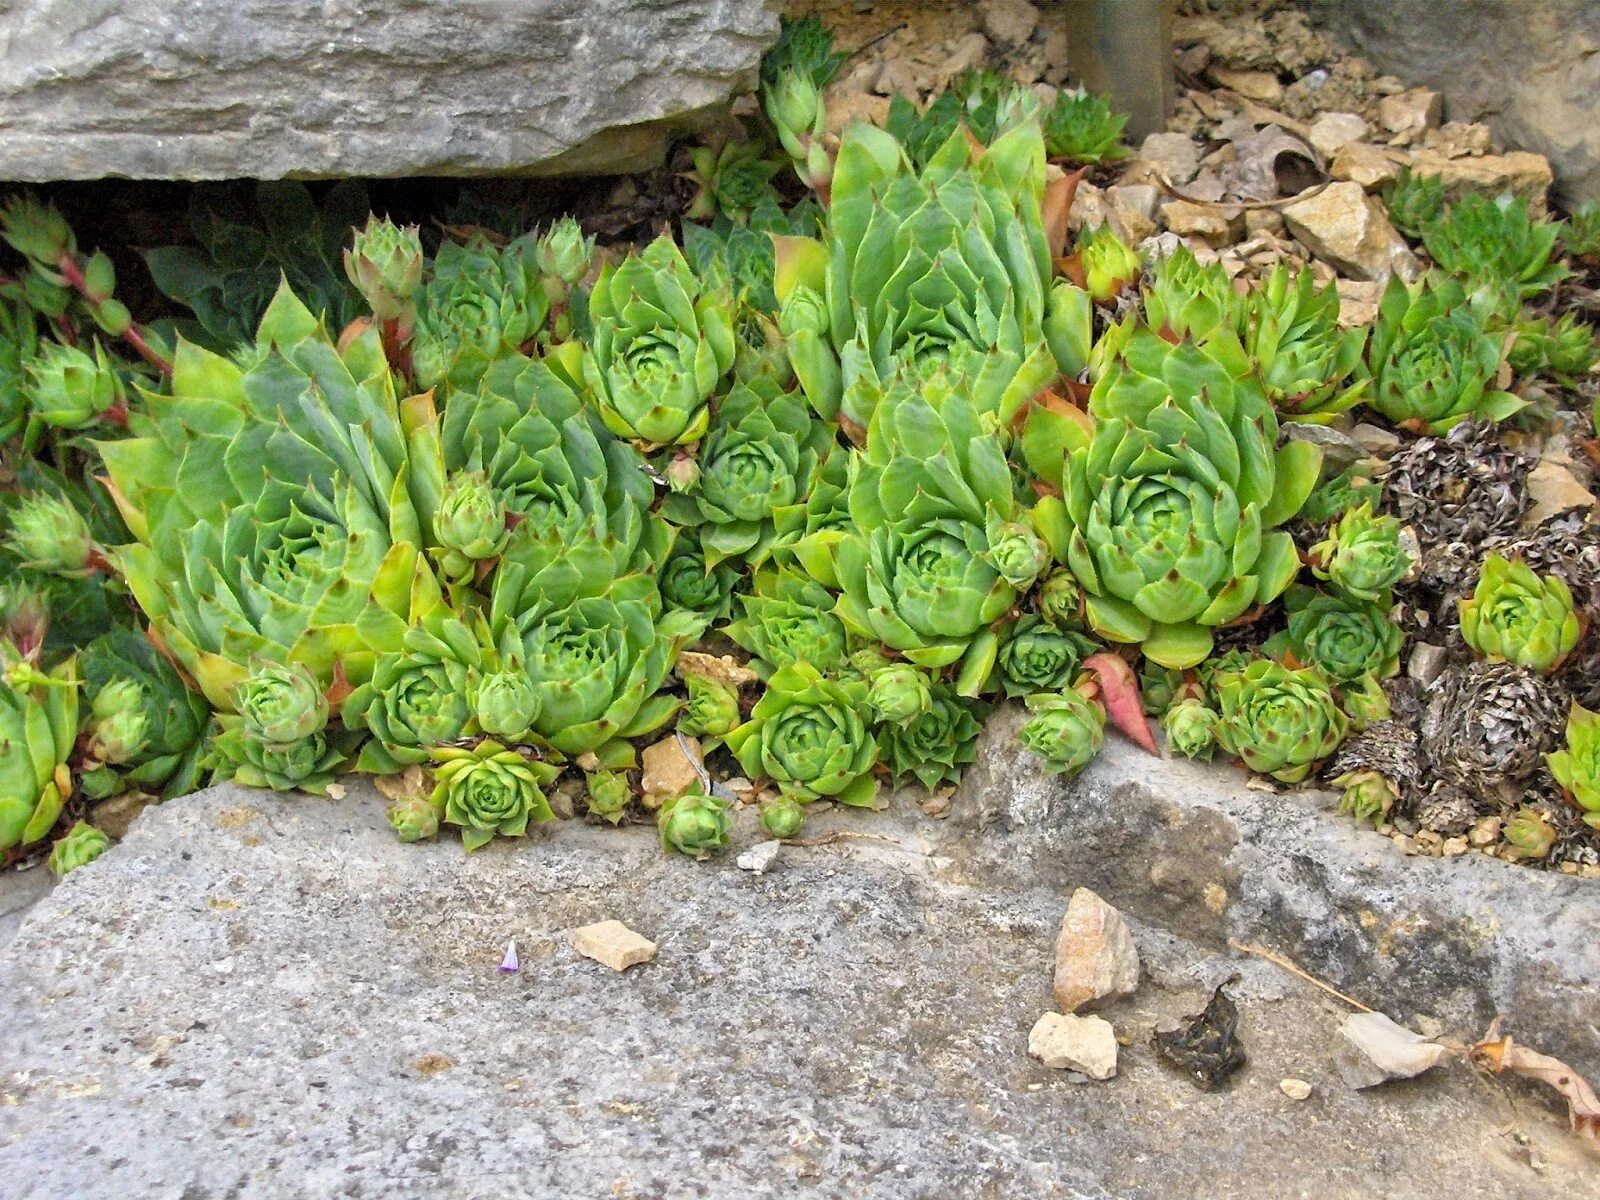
{"points": [[24, 618], [712, 710], [1191, 728], [783, 817], [609, 795], [1061, 601], [1517, 616], [471, 522], [563, 253], [898, 692], [803, 322], [1108, 263], [1528, 836], [384, 263], [1037, 657], [1362, 556], [281, 704], [1367, 795], [694, 824], [1278, 721], [49, 534], [414, 819], [1066, 731], [1364, 702], [36, 231], [507, 704], [82, 845], [1017, 552], [70, 389], [120, 729], [490, 791]]}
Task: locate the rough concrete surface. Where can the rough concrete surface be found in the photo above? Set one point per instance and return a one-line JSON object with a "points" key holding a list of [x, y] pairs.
{"points": [[269, 89], [266, 996], [20, 891]]}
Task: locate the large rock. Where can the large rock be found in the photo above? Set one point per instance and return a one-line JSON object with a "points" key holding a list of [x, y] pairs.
{"points": [[267, 997], [1529, 67], [198, 89]]}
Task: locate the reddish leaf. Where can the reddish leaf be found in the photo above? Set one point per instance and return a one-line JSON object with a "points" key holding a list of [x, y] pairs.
{"points": [[1119, 691]]}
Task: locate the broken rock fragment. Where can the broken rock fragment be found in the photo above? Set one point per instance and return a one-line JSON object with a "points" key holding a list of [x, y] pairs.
{"points": [[1087, 1045], [613, 944], [1096, 959]]}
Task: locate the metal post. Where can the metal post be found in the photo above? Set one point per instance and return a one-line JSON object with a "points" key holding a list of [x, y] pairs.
{"points": [[1123, 47]]}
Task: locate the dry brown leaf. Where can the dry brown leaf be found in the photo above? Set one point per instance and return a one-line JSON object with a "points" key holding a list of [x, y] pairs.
{"points": [[723, 668], [411, 782], [1498, 1054]]}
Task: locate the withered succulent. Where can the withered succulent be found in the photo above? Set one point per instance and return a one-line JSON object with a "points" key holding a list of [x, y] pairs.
{"points": [[1488, 725]]}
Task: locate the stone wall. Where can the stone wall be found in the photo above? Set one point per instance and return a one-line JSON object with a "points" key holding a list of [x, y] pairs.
{"points": [[207, 89], [1527, 67]]}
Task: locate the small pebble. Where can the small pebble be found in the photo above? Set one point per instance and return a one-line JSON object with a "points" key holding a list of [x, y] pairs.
{"points": [[1295, 1089]]}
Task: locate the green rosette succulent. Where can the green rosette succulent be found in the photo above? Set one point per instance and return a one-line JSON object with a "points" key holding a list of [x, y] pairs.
{"points": [[941, 270], [1035, 656], [609, 795], [1528, 836], [598, 662], [1576, 765], [1431, 361], [690, 584], [1345, 638], [1362, 556], [577, 497], [423, 693], [1514, 615], [1278, 721], [809, 535], [807, 734], [1414, 201], [935, 745], [384, 263], [562, 253], [490, 791], [1334, 497], [1581, 237], [783, 816], [68, 388], [281, 704], [788, 618], [919, 570], [80, 847], [49, 534], [173, 718], [712, 707], [1563, 349], [1184, 299], [481, 303], [1066, 731], [1365, 795], [660, 346], [1159, 687], [1109, 265], [896, 691], [1306, 361], [272, 505], [38, 726], [982, 102], [793, 74], [117, 723], [414, 819], [1481, 237], [1364, 701], [1191, 728], [1061, 601], [757, 460], [803, 325], [1170, 510], [308, 765], [470, 524], [1080, 127], [694, 824], [730, 181], [1018, 553], [507, 703]]}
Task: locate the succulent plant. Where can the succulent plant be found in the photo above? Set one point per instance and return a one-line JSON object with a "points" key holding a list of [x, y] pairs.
{"points": [[661, 344], [694, 824], [1066, 731], [38, 726], [1191, 728], [1366, 795], [1362, 556], [414, 818], [809, 536], [935, 744], [49, 534], [1184, 299], [981, 104], [1306, 360], [730, 180], [1488, 725], [1432, 362], [281, 704], [896, 691], [712, 708], [783, 816], [1563, 349], [1061, 601], [757, 460], [788, 618], [1363, 700], [308, 765], [1081, 127], [792, 100], [470, 525], [1279, 721], [270, 506], [1576, 765], [490, 791], [1516, 616], [1581, 236], [506, 703], [563, 254], [1107, 263], [808, 736], [1035, 656], [68, 388], [689, 584], [384, 263], [1414, 201], [1159, 687], [81, 845], [19, 340], [127, 684], [481, 303], [1170, 510], [609, 795], [1493, 239], [1528, 836], [804, 45]]}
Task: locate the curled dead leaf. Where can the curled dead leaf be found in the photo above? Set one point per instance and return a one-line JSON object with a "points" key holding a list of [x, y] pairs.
{"points": [[1498, 1054], [408, 784], [724, 668]]}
